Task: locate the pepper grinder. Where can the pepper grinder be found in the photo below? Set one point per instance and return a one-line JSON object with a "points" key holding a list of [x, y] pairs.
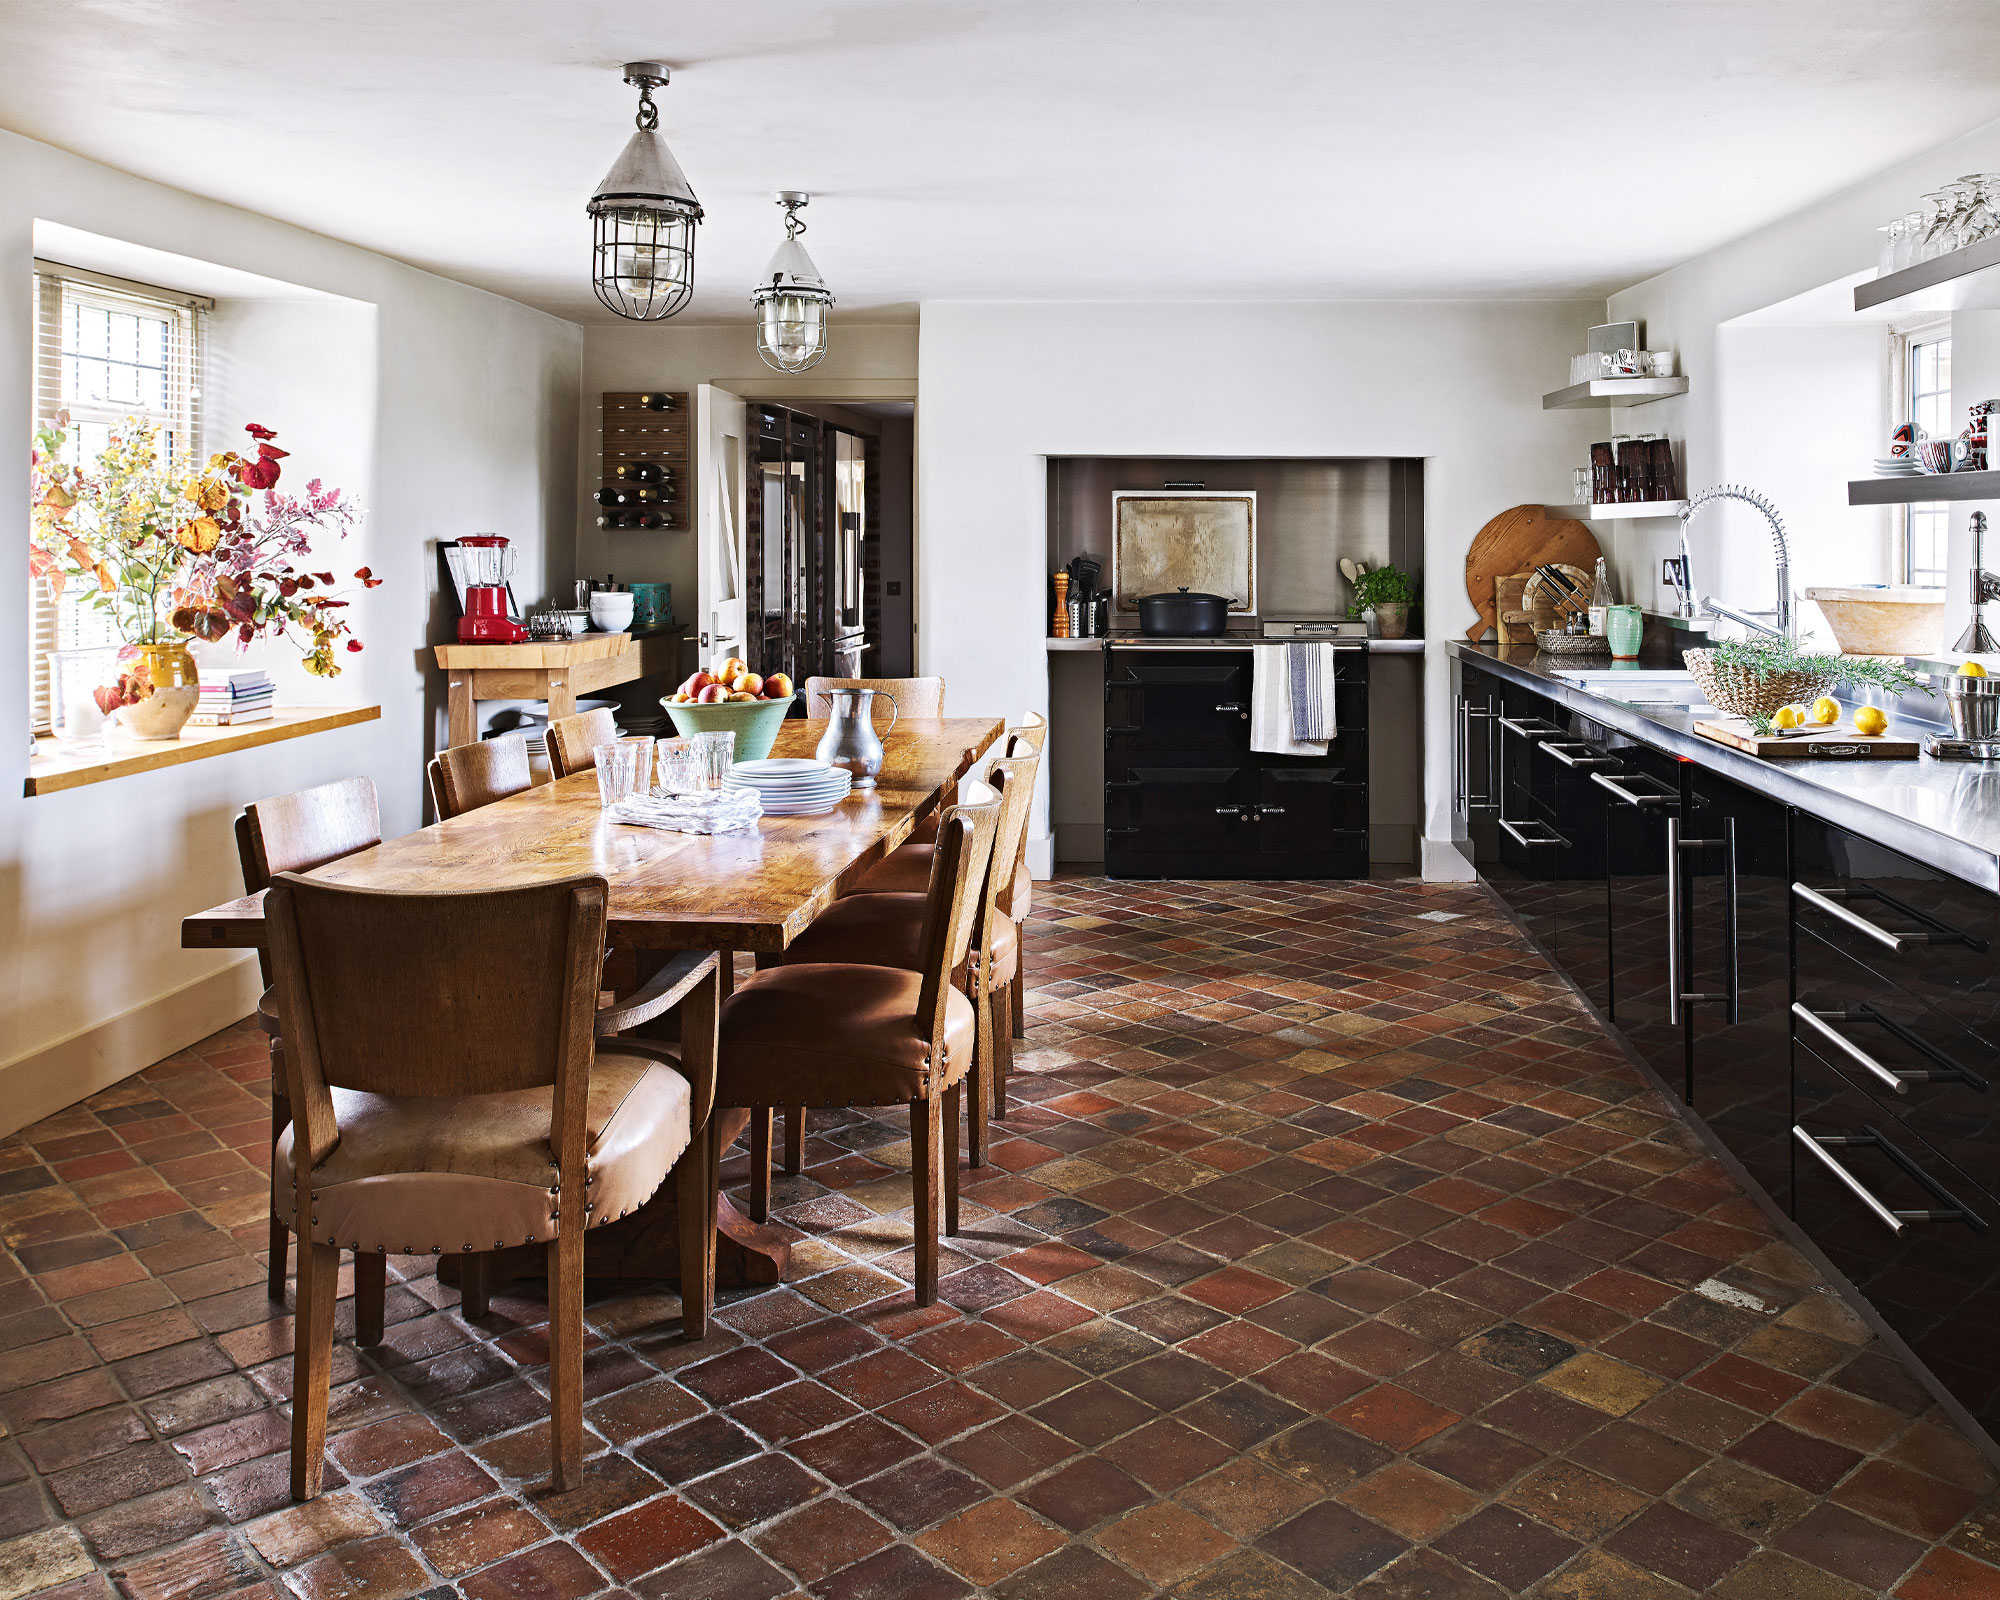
{"points": [[1977, 640], [1059, 627]]}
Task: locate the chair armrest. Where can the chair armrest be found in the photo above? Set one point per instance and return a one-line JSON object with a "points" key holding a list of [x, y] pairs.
{"points": [[659, 993]]}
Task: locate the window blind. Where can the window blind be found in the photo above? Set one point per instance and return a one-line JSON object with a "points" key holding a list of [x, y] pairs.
{"points": [[105, 350]]}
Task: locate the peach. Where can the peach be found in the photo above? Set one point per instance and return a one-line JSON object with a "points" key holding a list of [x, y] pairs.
{"points": [[739, 695]]}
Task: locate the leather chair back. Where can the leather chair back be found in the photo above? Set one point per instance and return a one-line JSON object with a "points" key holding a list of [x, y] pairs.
{"points": [[398, 993], [573, 741], [468, 776], [915, 697], [297, 832]]}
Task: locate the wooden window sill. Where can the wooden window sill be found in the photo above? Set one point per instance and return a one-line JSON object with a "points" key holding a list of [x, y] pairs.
{"points": [[52, 768]]}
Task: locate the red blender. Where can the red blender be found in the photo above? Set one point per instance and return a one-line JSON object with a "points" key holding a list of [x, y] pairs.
{"points": [[488, 563]]}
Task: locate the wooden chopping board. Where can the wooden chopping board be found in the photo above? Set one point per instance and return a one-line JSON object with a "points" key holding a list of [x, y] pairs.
{"points": [[1837, 743], [1516, 541]]}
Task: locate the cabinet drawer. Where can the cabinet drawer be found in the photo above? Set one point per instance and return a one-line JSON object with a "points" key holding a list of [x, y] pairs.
{"points": [[1195, 702], [1930, 934], [1297, 806], [1907, 1226]]}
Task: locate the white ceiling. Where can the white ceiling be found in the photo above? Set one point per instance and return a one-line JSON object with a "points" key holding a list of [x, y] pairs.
{"points": [[1170, 149]]}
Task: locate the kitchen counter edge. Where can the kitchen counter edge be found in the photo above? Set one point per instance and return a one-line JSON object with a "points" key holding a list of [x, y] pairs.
{"points": [[1811, 786]]}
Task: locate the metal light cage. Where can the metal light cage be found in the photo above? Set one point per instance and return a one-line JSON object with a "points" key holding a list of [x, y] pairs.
{"points": [[791, 299], [643, 218]]}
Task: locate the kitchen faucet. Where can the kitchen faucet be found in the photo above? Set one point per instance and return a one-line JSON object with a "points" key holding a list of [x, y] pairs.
{"points": [[1690, 603], [1976, 640]]}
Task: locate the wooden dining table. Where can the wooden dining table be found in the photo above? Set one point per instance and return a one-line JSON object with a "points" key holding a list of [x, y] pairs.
{"points": [[755, 891]]}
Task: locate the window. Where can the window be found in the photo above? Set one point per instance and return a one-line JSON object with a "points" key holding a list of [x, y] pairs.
{"points": [[1927, 402], [105, 350]]}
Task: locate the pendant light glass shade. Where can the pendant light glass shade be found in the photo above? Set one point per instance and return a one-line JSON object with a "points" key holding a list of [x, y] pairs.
{"points": [[791, 299], [643, 218]]}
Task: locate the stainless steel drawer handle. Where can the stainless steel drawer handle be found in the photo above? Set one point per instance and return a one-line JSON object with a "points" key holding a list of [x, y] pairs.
{"points": [[1229, 811], [1822, 1146], [1529, 727], [1270, 811], [1565, 752], [1849, 1048], [1605, 780], [1548, 838], [1898, 942], [1236, 706]]}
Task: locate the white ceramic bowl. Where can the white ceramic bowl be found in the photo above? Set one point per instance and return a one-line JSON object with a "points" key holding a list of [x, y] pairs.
{"points": [[611, 610]]}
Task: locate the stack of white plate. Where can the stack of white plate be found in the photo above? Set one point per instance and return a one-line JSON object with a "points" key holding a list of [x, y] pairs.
{"points": [[791, 786], [1898, 467]]}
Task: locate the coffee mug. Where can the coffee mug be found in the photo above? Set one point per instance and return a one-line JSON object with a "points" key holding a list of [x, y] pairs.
{"points": [[1936, 454]]}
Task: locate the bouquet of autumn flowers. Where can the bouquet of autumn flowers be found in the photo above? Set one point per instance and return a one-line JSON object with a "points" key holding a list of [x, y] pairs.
{"points": [[243, 577]]}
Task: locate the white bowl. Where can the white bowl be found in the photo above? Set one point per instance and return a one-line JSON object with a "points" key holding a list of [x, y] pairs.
{"points": [[611, 610]]}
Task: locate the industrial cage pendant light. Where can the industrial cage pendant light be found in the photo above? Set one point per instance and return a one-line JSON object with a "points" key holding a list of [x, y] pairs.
{"points": [[643, 218], [791, 298]]}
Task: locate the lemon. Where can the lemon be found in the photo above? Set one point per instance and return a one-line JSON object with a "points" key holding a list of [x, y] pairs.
{"points": [[1787, 717], [1826, 710], [1971, 669], [1870, 720]]}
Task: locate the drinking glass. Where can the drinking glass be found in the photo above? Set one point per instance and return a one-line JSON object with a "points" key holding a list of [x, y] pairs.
{"points": [[717, 754], [680, 766], [643, 743], [617, 771]]}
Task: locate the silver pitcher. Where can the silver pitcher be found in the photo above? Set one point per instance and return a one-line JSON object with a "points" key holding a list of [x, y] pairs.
{"points": [[850, 740]]}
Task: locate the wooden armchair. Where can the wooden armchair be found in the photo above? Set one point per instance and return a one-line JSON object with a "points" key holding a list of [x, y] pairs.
{"points": [[468, 776], [573, 741], [449, 1094]]}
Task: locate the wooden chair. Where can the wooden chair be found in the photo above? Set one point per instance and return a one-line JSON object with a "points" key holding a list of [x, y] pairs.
{"points": [[295, 833], [573, 741], [468, 776], [884, 930], [914, 697], [449, 1095], [832, 1034]]}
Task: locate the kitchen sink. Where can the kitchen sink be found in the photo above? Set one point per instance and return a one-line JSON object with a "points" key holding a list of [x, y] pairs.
{"points": [[1652, 689]]}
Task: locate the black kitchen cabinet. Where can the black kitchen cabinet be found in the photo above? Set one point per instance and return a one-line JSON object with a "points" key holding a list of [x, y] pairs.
{"points": [[1186, 797], [1645, 797]]}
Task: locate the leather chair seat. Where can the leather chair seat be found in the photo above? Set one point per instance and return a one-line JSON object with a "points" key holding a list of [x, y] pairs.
{"points": [[420, 1174], [883, 930], [824, 1034]]}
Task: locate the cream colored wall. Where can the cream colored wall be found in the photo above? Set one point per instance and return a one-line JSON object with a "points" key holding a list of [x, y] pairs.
{"points": [[468, 410]]}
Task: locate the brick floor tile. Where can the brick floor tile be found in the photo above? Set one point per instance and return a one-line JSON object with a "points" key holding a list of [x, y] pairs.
{"points": [[1164, 1542], [301, 1532], [826, 1537], [1332, 1546], [547, 1572], [898, 1573], [648, 1536], [1905, 1499], [380, 1569], [990, 1541], [1947, 1575], [1742, 1499], [918, 1493], [1773, 1575], [215, 1563], [1393, 1416], [1075, 1572], [1410, 1500]]}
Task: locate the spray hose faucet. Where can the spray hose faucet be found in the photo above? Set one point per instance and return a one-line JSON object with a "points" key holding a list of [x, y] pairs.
{"points": [[1690, 603]]}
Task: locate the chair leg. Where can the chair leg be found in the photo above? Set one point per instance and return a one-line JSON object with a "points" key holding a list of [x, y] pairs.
{"points": [[281, 1119], [949, 1143], [312, 1363], [1003, 1052], [697, 1235], [795, 1139], [371, 1292], [566, 1355], [927, 1181], [1020, 1002], [475, 1285], [985, 1076], [760, 1163]]}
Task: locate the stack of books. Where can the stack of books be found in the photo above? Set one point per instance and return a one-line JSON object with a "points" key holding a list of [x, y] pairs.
{"points": [[232, 698]]}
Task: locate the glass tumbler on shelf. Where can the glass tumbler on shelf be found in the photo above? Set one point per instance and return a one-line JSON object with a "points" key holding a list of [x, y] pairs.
{"points": [[617, 771], [717, 754], [1579, 485]]}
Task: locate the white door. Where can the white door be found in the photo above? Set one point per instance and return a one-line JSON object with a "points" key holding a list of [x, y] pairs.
{"points": [[719, 467]]}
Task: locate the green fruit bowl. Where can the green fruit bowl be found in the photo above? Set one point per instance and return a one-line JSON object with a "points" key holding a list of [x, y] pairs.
{"points": [[754, 722]]}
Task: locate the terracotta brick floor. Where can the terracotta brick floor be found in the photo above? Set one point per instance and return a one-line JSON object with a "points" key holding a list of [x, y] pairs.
{"points": [[1330, 1249]]}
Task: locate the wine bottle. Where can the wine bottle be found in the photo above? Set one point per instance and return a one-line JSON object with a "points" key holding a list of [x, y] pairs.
{"points": [[645, 493], [1601, 599], [649, 518], [644, 472], [607, 497], [656, 402]]}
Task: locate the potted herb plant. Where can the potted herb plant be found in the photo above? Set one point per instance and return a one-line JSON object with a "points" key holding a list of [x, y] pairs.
{"points": [[1389, 592]]}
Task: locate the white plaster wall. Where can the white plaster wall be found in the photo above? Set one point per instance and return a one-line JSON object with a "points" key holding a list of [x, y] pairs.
{"points": [[469, 422], [1004, 385], [863, 361]]}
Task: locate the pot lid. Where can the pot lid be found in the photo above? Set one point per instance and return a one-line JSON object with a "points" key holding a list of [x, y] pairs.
{"points": [[1183, 594]]}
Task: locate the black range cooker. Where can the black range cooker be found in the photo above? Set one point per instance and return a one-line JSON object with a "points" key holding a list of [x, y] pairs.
{"points": [[1184, 794]]}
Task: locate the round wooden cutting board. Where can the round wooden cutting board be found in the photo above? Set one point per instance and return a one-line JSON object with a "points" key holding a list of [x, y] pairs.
{"points": [[1518, 540]]}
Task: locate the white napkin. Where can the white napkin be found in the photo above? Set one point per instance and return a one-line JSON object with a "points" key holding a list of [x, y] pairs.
{"points": [[1271, 705], [712, 811]]}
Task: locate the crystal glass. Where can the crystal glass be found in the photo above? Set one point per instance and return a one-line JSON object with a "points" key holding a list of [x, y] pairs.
{"points": [[617, 771], [680, 766], [644, 743], [716, 753]]}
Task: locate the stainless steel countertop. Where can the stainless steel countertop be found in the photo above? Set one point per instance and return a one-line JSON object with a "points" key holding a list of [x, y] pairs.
{"points": [[1241, 641], [1944, 813]]}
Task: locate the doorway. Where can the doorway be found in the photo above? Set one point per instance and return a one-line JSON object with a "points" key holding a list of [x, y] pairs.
{"points": [[827, 542]]}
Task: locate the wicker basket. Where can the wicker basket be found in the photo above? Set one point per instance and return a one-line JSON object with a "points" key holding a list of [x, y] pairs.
{"points": [[1573, 644], [1742, 694]]}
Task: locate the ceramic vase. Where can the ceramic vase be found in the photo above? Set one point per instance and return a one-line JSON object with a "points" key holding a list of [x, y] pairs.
{"points": [[176, 691]]}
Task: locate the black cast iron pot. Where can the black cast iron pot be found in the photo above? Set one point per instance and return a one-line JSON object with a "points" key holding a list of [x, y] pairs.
{"points": [[1182, 615]]}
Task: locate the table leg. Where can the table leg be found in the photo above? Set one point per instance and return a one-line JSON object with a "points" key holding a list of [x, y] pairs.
{"points": [[561, 697], [461, 716]]}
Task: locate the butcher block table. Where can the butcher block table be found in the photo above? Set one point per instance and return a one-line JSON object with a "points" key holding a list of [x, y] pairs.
{"points": [[757, 891], [553, 671]]}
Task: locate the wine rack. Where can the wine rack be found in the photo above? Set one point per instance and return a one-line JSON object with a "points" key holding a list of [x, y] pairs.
{"points": [[648, 428]]}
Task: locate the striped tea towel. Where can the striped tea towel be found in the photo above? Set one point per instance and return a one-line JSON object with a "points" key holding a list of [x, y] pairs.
{"points": [[1311, 669], [1271, 705]]}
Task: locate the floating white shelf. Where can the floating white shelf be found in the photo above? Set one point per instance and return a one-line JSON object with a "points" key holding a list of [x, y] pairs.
{"points": [[1613, 392], [1616, 513], [1932, 274], [1925, 487]]}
